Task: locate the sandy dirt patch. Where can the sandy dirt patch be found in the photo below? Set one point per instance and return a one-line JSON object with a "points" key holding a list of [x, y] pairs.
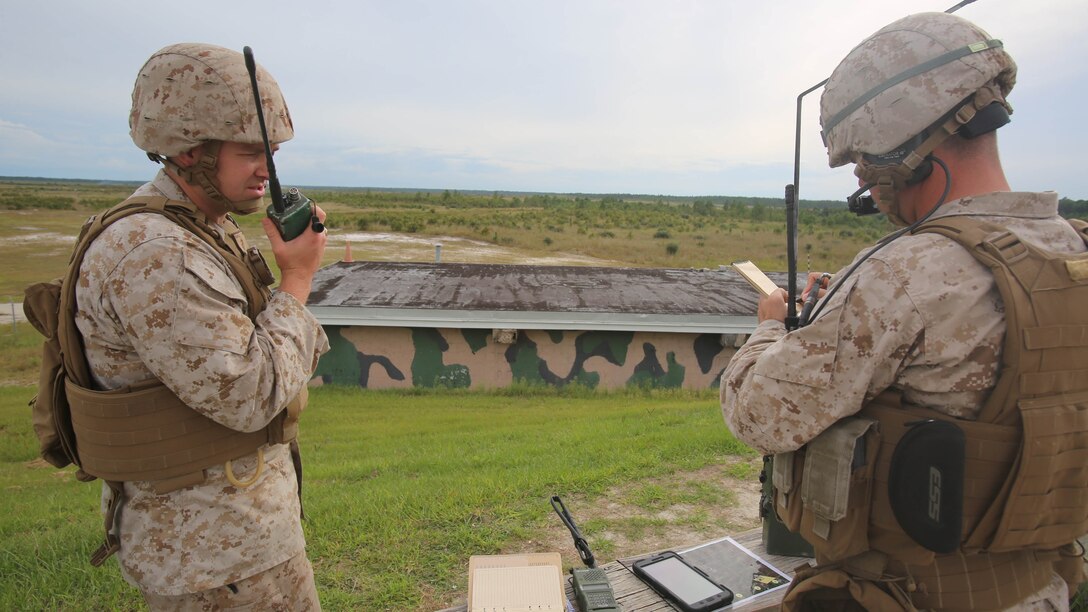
{"points": [[618, 527], [382, 246], [632, 529], [11, 310]]}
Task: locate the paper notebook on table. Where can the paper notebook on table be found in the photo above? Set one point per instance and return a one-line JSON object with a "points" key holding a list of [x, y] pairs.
{"points": [[516, 583]]}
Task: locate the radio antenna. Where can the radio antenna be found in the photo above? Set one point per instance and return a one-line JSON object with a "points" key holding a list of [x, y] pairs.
{"points": [[273, 180]]}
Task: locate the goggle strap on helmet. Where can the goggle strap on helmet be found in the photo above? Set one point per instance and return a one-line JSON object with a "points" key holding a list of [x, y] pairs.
{"points": [[924, 67], [962, 115], [913, 159]]}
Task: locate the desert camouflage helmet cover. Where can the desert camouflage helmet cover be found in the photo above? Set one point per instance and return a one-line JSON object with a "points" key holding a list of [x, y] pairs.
{"points": [[189, 93], [905, 77]]}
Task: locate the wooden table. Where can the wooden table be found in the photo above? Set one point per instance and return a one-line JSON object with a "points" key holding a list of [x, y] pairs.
{"points": [[634, 595]]}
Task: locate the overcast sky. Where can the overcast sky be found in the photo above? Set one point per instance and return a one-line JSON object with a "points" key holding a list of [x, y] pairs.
{"points": [[623, 96]]}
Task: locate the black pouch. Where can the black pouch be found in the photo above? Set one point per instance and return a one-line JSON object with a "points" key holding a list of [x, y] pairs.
{"points": [[925, 484]]}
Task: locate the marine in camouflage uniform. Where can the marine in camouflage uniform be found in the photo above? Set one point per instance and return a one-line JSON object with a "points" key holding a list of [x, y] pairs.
{"points": [[157, 302], [920, 316]]}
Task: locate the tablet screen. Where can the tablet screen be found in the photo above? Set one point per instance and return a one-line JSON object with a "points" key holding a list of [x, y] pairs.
{"points": [[684, 582]]}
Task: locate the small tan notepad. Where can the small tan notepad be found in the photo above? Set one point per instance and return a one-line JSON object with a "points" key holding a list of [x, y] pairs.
{"points": [[516, 583], [755, 277]]}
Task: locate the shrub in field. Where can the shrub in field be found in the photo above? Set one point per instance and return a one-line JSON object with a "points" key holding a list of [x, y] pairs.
{"points": [[20, 201]]}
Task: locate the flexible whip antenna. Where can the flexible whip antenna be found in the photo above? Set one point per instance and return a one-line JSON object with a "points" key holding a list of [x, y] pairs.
{"points": [[273, 180]]}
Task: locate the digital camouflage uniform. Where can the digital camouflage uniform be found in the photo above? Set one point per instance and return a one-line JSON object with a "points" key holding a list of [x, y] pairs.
{"points": [[155, 301], [921, 316]]}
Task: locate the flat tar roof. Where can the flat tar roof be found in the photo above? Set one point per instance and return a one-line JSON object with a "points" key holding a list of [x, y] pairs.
{"points": [[499, 296]]}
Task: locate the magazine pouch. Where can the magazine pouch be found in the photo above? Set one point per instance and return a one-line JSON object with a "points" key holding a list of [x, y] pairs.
{"points": [[836, 488], [785, 476]]}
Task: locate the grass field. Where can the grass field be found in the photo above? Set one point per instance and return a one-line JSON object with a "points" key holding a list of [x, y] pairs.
{"points": [[400, 489], [20, 354]]}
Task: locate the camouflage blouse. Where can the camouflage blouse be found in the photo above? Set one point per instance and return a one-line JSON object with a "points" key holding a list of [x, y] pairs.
{"points": [[921, 316], [157, 302]]}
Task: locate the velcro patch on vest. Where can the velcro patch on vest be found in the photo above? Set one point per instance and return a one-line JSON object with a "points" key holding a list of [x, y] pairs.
{"points": [[1078, 269]]}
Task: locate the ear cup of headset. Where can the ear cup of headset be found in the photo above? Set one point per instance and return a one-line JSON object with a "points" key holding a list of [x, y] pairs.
{"points": [[986, 120]]}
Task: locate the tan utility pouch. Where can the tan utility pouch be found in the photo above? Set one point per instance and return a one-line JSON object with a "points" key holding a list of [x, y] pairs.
{"points": [[833, 589], [836, 489], [292, 413], [787, 488]]}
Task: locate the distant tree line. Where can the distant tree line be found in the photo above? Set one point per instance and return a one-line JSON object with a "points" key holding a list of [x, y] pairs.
{"points": [[618, 210], [1073, 209], [485, 214]]}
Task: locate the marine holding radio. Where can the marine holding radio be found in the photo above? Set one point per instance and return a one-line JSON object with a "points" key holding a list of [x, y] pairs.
{"points": [[930, 423], [184, 374]]}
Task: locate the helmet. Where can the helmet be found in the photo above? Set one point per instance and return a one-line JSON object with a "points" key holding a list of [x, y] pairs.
{"points": [[190, 94], [904, 78], [902, 91]]}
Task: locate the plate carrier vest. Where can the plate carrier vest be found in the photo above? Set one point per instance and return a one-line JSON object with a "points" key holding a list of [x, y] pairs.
{"points": [[1025, 460], [143, 432]]}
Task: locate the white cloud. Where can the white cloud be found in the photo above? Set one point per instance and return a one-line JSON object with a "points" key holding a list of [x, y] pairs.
{"points": [[15, 137]]}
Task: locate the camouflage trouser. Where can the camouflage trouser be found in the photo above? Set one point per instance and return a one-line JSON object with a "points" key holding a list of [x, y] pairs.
{"points": [[288, 586]]}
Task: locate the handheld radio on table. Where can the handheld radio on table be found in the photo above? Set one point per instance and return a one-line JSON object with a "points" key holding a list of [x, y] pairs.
{"points": [[591, 586]]}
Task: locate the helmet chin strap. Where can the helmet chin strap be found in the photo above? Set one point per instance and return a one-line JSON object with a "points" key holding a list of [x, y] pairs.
{"points": [[202, 175]]}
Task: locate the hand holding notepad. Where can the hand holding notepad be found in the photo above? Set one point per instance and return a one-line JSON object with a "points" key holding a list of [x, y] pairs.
{"points": [[755, 277]]}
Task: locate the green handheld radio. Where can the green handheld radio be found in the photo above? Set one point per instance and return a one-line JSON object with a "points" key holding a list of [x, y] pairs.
{"points": [[290, 213], [591, 586]]}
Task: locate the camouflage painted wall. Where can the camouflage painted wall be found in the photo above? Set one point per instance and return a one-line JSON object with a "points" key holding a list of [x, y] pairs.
{"points": [[386, 357]]}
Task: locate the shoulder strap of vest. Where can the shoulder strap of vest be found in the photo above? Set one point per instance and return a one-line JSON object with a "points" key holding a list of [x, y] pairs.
{"points": [[1024, 275], [246, 263], [1081, 226], [972, 233], [969, 232], [956, 225], [988, 243]]}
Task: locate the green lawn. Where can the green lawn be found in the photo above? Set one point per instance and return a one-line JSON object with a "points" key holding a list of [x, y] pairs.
{"points": [[401, 487]]}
